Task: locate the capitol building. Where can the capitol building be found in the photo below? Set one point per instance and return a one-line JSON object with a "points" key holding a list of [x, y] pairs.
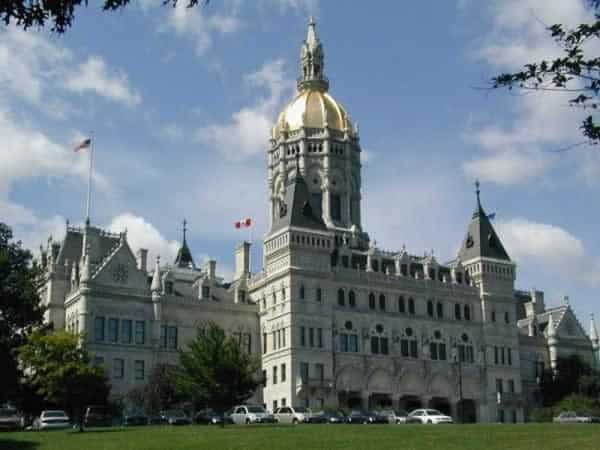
{"points": [[336, 320]]}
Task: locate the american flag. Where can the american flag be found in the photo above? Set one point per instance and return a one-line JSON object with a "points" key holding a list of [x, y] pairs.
{"points": [[86, 143], [244, 223]]}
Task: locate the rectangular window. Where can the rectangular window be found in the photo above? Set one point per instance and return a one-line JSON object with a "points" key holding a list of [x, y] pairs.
{"points": [[320, 371], [139, 370], [113, 330], [343, 342], [414, 352], [304, 372], [404, 348], [283, 374], [140, 332], [320, 337], [499, 385], [442, 351], [353, 343], [274, 405], [172, 338], [163, 336], [502, 355], [264, 342], [126, 331], [383, 344], [205, 292], [509, 355], [496, 359], [118, 368], [274, 339], [335, 206], [374, 345], [303, 336], [264, 378], [99, 329], [311, 337], [274, 374], [433, 351], [283, 402], [511, 386], [247, 344]]}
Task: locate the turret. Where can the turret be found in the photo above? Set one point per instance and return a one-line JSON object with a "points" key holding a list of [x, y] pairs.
{"points": [[595, 341], [156, 286]]}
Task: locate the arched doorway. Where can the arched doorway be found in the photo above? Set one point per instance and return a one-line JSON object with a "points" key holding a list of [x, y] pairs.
{"points": [[442, 404], [466, 411]]}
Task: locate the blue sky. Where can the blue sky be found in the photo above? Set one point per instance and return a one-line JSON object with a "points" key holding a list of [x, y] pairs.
{"points": [[180, 103]]}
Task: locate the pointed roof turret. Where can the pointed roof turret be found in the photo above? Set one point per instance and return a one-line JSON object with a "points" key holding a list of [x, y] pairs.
{"points": [[313, 61], [295, 208], [184, 255], [593, 331], [481, 239], [156, 285]]}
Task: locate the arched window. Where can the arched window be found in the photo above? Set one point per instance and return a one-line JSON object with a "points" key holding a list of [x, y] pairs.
{"points": [[465, 349], [457, 312], [382, 302], [440, 310], [506, 317], [302, 292], [341, 297], [411, 306], [429, 308], [401, 305], [352, 299], [408, 344], [371, 301], [467, 312], [437, 347]]}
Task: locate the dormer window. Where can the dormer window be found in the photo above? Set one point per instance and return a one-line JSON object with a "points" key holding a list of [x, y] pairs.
{"points": [[205, 292]]}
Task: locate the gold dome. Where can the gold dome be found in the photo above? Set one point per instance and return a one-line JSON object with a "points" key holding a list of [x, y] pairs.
{"points": [[313, 109]]}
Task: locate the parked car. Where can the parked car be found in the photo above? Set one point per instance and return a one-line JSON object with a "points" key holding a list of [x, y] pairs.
{"points": [[251, 414], [175, 417], [11, 419], [575, 417], [398, 417], [97, 416], [292, 414], [210, 417], [430, 416], [366, 417], [50, 420], [134, 418], [327, 417]]}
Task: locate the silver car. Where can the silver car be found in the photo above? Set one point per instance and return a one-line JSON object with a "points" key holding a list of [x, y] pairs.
{"points": [[51, 420], [293, 414], [575, 417], [10, 419], [251, 414]]}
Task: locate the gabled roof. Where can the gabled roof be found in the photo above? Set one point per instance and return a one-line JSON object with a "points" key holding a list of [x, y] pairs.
{"points": [[481, 239], [295, 210]]}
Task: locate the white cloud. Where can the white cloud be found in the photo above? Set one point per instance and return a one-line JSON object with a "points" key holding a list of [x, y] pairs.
{"points": [[542, 122], [193, 22], [142, 234], [247, 132], [94, 76]]}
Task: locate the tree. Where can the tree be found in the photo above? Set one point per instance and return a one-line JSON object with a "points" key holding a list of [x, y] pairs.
{"points": [[20, 310], [216, 371], [60, 370], [27, 13], [565, 381], [576, 72], [160, 391]]}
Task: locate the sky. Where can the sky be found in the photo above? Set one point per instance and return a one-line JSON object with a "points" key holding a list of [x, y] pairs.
{"points": [[180, 103]]}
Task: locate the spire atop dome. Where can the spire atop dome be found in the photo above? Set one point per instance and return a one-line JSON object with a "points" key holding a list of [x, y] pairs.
{"points": [[313, 61], [184, 255]]}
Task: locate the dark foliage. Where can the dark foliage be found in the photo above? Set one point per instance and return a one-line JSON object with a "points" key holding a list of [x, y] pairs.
{"points": [[60, 14], [576, 72], [159, 392], [216, 371], [570, 372], [20, 310]]}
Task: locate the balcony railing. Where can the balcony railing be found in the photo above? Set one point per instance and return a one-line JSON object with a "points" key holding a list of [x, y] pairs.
{"points": [[324, 383], [509, 398]]}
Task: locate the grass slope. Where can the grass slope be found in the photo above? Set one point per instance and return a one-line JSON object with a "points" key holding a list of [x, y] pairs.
{"points": [[329, 437]]}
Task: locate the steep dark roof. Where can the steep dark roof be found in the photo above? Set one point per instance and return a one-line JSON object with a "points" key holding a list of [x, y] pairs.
{"points": [[481, 239], [295, 209], [184, 256]]}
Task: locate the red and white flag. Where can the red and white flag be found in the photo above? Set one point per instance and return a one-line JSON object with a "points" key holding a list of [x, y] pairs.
{"points": [[244, 223], [86, 143]]}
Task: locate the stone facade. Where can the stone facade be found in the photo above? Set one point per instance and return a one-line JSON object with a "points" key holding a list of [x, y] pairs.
{"points": [[337, 320]]}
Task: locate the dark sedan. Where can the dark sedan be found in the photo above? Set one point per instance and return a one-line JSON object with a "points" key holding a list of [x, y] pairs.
{"points": [[210, 417], [134, 419], [175, 417], [366, 417], [327, 417]]}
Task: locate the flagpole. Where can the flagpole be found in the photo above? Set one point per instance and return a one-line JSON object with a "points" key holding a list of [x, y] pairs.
{"points": [[89, 190]]}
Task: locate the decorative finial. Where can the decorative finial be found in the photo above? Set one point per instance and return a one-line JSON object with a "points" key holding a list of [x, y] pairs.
{"points": [[311, 21], [477, 191], [184, 229]]}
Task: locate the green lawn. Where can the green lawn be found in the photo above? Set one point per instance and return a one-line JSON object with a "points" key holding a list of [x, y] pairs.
{"points": [[329, 437]]}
